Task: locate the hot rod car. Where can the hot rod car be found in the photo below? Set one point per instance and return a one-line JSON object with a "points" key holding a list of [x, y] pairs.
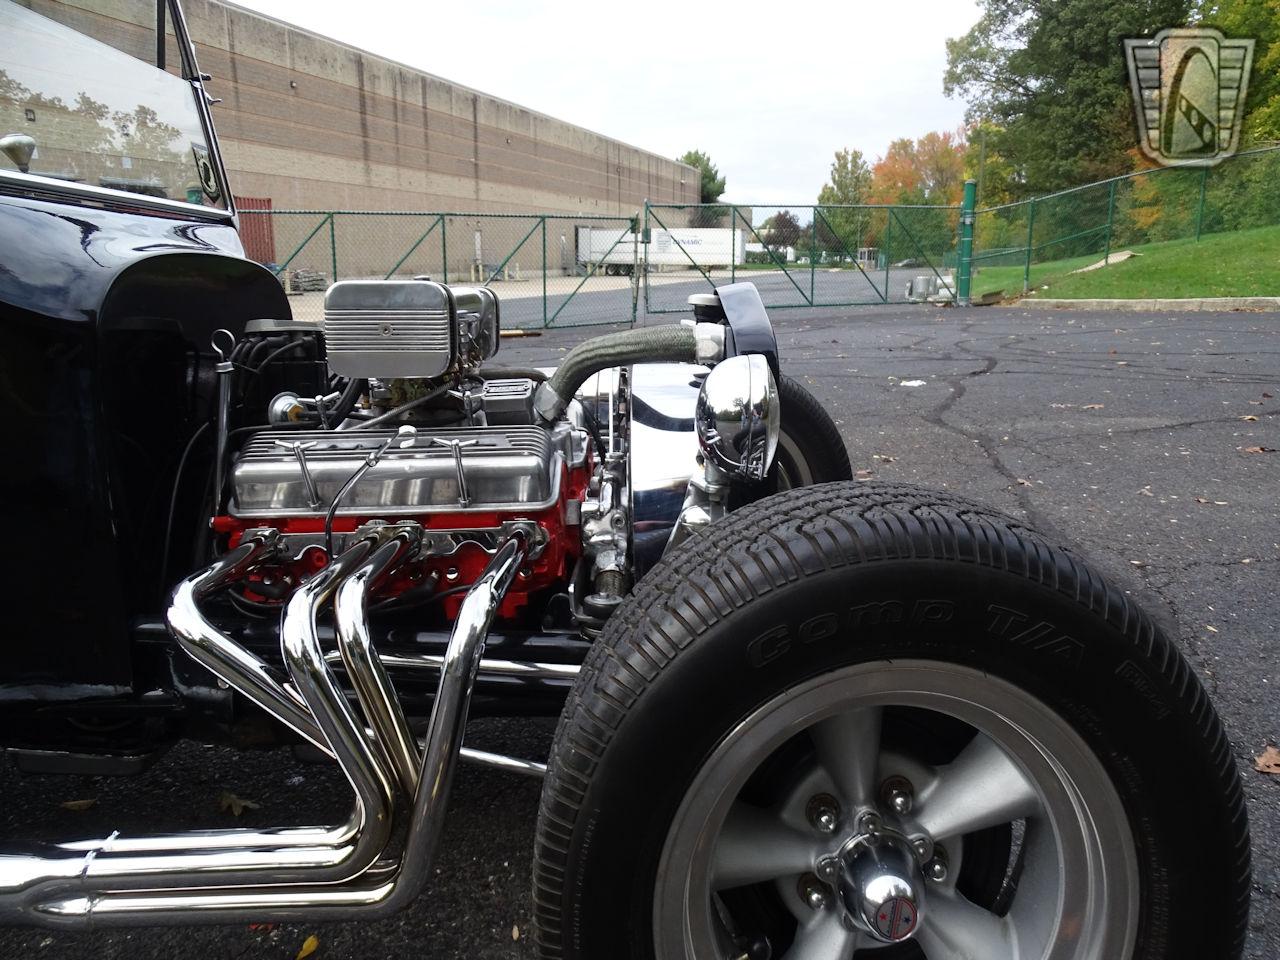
{"points": [[801, 716]]}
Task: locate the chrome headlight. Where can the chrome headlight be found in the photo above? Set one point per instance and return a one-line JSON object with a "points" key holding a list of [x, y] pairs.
{"points": [[738, 417]]}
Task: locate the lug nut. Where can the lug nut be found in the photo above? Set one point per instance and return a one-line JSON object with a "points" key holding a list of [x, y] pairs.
{"points": [[815, 895], [828, 869], [898, 795], [923, 849], [823, 813], [936, 869]]}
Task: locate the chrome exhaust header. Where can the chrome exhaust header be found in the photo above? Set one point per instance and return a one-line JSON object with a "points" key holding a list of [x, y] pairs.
{"points": [[289, 873]]}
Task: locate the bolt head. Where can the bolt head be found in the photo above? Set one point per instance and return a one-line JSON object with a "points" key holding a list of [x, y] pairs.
{"points": [[824, 814], [900, 802], [936, 870], [828, 869], [922, 848], [815, 899]]}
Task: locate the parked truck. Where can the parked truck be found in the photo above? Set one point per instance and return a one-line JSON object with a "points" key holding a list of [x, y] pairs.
{"points": [[619, 250]]}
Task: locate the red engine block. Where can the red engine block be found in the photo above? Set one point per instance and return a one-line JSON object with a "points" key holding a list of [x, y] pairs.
{"points": [[273, 583]]}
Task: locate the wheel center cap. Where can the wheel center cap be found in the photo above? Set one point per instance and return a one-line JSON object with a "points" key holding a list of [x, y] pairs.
{"points": [[878, 887]]}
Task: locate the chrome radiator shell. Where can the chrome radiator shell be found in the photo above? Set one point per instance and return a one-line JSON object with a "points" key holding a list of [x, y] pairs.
{"points": [[506, 468]]}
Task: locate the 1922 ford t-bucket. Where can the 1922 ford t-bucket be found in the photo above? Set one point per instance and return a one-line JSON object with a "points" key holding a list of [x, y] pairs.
{"points": [[798, 718]]}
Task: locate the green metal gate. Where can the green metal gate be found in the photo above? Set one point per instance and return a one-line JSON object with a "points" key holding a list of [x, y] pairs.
{"points": [[547, 269], [799, 256]]}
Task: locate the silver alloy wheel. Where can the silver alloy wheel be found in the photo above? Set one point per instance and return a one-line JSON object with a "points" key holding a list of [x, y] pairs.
{"points": [[1078, 893]]}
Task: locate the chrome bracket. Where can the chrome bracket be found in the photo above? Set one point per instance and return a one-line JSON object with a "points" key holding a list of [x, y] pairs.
{"points": [[299, 452], [464, 498]]}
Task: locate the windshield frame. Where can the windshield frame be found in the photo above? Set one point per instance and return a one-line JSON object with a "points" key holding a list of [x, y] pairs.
{"points": [[31, 183]]}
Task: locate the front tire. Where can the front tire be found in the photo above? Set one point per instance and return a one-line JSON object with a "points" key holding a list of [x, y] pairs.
{"points": [[1057, 747]]}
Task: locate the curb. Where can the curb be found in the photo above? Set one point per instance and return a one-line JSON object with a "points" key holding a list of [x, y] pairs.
{"points": [[1141, 306]]}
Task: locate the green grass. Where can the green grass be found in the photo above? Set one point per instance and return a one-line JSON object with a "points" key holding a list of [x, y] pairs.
{"points": [[1243, 263]]}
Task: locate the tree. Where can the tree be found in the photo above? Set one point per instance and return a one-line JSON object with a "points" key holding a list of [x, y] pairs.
{"points": [[710, 187], [929, 170], [1259, 19], [1051, 81], [840, 230], [783, 229]]}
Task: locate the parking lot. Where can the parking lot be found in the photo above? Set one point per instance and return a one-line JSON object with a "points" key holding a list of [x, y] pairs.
{"points": [[1146, 441]]}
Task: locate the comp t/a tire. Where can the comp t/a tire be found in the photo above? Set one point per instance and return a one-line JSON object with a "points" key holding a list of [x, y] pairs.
{"points": [[873, 720]]}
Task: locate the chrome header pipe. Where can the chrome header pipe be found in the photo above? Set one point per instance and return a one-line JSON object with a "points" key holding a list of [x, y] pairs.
{"points": [[64, 884], [222, 656], [377, 892], [362, 760], [373, 687]]}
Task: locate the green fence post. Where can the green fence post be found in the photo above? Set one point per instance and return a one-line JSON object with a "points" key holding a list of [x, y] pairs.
{"points": [[1031, 226], [644, 238], [888, 248], [1204, 179], [1111, 219], [333, 246], [544, 272], [813, 249], [964, 266]]}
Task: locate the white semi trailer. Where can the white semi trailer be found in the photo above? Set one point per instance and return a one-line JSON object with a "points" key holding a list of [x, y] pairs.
{"points": [[618, 250]]}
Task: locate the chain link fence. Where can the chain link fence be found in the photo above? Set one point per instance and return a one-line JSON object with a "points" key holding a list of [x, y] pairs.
{"points": [[547, 270], [797, 256], [1023, 246], [562, 270]]}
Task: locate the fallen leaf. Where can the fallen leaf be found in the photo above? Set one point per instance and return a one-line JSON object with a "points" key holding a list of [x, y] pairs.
{"points": [[1201, 500], [515, 931], [884, 458], [1146, 491], [1211, 629], [1221, 503], [1250, 418], [309, 946], [1256, 403], [1092, 406], [1267, 396], [1138, 563], [1259, 449], [237, 805], [78, 804], [1268, 761], [1023, 483]]}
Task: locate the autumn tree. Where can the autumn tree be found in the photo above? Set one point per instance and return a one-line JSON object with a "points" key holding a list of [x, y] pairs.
{"points": [[929, 170]]}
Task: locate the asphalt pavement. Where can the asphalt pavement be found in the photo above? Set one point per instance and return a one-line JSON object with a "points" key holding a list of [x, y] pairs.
{"points": [[1146, 441]]}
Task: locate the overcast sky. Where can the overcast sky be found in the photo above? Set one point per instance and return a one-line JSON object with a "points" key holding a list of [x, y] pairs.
{"points": [[769, 90]]}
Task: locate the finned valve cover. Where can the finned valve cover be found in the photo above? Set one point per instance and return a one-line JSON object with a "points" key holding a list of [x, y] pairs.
{"points": [[390, 328]]}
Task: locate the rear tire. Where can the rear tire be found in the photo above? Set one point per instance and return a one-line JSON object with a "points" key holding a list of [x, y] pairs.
{"points": [[875, 590]]}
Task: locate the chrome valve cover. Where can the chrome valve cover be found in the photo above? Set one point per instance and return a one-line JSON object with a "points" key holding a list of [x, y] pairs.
{"points": [[502, 468]]}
